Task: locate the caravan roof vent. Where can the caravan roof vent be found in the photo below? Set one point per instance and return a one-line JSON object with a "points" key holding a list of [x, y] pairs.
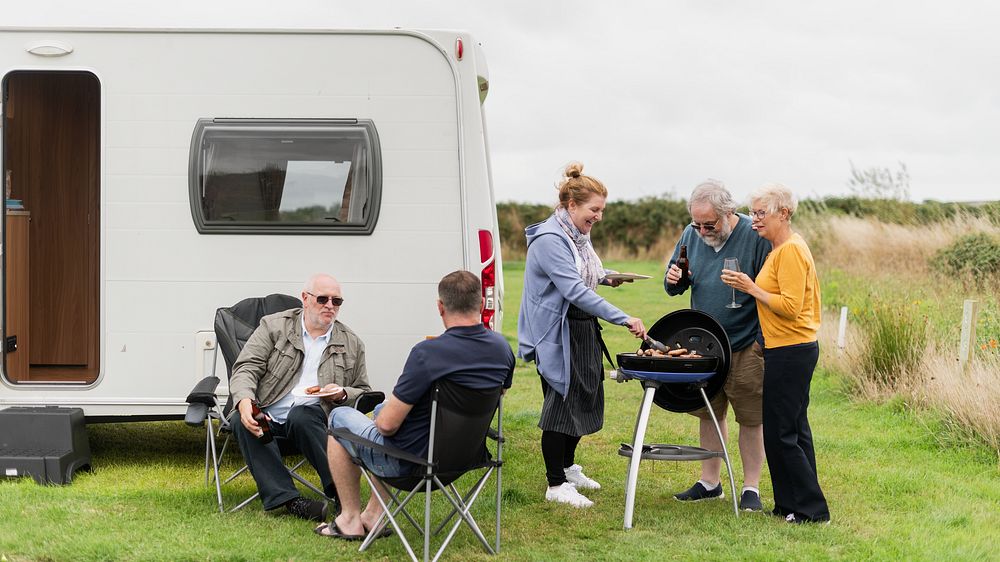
{"points": [[50, 49]]}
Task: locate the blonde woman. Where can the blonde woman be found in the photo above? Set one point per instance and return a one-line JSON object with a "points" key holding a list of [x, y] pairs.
{"points": [[788, 306], [558, 330]]}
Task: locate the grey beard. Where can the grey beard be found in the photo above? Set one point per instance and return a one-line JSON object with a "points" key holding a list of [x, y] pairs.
{"points": [[717, 241]]}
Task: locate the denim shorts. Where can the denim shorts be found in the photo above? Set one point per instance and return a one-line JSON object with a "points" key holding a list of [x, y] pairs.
{"points": [[362, 426]]}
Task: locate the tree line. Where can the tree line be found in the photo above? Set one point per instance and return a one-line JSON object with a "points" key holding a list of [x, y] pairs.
{"points": [[637, 228]]}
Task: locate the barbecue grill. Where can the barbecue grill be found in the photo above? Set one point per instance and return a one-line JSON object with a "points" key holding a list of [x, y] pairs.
{"points": [[676, 384]]}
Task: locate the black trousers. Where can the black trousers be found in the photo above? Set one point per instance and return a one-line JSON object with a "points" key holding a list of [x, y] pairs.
{"points": [[788, 441], [305, 430]]}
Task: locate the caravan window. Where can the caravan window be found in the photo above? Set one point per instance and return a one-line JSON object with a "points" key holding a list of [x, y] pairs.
{"points": [[266, 176]]}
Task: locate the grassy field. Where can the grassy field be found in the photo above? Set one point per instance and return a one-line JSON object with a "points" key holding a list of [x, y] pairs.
{"points": [[895, 490]]}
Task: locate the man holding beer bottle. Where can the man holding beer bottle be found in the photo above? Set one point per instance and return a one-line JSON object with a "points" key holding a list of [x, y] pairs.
{"points": [[718, 232], [296, 367]]}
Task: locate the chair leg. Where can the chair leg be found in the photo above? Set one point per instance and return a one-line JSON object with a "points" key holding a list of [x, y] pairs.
{"points": [[463, 512], [388, 513], [215, 464], [209, 434], [496, 548], [467, 499], [222, 453], [245, 502], [427, 518], [235, 474]]}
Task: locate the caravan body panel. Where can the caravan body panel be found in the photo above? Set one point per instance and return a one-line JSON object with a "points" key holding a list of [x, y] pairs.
{"points": [[160, 280]]}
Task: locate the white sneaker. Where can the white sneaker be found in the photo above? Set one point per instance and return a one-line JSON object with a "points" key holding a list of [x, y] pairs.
{"points": [[575, 475], [566, 493]]}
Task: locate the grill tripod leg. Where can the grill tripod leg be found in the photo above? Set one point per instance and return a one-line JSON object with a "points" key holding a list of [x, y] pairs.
{"points": [[725, 451], [637, 442]]}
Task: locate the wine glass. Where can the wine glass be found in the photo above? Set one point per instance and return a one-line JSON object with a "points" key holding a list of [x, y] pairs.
{"points": [[732, 264]]}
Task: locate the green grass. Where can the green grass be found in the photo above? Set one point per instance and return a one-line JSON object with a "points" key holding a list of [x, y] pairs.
{"points": [[895, 491]]}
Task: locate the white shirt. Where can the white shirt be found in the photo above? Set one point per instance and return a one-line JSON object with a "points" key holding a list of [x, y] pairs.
{"points": [[306, 377]]}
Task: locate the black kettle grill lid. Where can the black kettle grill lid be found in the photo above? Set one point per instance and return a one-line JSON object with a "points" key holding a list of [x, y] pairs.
{"points": [[691, 327]]}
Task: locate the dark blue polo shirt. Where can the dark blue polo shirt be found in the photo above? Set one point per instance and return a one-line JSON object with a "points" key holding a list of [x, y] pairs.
{"points": [[472, 356]]}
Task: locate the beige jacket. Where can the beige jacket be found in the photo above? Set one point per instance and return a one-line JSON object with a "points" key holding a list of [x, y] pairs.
{"points": [[267, 367]]}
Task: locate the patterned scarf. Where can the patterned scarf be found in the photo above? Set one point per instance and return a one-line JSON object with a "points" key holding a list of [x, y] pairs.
{"points": [[590, 266]]}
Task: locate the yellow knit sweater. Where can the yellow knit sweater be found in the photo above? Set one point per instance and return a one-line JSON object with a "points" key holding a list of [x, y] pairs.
{"points": [[794, 316]]}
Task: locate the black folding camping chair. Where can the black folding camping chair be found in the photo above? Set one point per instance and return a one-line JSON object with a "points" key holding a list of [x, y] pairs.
{"points": [[233, 327], [459, 434]]}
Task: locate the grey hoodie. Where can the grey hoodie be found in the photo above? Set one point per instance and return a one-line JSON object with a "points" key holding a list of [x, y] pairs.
{"points": [[551, 284]]}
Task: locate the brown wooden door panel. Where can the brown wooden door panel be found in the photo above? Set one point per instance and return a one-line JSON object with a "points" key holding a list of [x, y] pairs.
{"points": [[53, 151]]}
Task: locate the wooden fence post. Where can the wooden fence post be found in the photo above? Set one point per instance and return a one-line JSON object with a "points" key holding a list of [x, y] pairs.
{"points": [[842, 330], [967, 344]]}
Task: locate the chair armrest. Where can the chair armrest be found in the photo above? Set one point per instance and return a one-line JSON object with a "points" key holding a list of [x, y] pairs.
{"points": [[204, 392], [367, 401], [343, 433], [196, 414]]}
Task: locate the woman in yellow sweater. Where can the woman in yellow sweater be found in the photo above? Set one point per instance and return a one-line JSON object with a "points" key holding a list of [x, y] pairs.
{"points": [[788, 305]]}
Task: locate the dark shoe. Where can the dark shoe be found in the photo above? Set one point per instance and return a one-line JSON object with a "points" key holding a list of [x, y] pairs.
{"points": [[797, 519], [698, 492], [750, 501], [307, 509]]}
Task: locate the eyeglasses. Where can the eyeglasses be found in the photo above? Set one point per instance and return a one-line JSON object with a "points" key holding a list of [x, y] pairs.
{"points": [[708, 226], [758, 214], [323, 299]]}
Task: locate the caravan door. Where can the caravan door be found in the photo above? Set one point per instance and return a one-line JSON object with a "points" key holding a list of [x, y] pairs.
{"points": [[51, 270]]}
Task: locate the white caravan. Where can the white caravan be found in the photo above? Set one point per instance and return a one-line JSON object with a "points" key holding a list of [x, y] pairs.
{"points": [[154, 175]]}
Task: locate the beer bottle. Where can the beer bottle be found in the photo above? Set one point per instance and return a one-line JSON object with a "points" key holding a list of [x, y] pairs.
{"points": [[682, 263], [261, 418]]}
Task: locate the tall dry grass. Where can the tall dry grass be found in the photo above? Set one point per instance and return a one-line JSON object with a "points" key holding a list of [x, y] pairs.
{"points": [[930, 376], [969, 399], [869, 247]]}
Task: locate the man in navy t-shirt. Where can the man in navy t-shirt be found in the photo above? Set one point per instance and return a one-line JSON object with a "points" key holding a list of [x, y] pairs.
{"points": [[467, 353]]}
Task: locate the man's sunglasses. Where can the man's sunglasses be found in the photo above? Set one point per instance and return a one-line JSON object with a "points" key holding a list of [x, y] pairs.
{"points": [[323, 299], [708, 226]]}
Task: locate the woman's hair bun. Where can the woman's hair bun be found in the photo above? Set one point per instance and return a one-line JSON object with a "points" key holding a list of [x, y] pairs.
{"points": [[573, 170]]}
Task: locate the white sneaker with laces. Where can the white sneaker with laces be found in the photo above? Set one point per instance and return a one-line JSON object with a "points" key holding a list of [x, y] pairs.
{"points": [[567, 493], [575, 475]]}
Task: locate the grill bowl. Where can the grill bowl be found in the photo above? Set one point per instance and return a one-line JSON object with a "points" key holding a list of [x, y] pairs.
{"points": [[668, 369], [702, 334]]}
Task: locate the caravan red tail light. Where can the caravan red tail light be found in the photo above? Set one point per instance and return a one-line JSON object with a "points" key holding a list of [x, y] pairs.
{"points": [[459, 48], [488, 276]]}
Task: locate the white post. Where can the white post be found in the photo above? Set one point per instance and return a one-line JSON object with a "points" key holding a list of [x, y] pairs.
{"points": [[967, 344], [842, 330]]}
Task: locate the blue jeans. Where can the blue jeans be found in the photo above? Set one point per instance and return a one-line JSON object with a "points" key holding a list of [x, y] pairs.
{"points": [[359, 424]]}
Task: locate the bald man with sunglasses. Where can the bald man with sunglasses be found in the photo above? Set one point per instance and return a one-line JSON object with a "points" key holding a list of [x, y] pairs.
{"points": [[290, 352]]}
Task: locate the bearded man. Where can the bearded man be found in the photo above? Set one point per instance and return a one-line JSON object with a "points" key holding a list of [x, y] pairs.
{"points": [[718, 232]]}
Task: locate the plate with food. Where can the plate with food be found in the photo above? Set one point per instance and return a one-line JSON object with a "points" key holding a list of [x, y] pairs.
{"points": [[316, 392], [625, 276]]}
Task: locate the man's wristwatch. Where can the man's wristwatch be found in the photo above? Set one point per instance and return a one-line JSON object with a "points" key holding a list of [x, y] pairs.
{"points": [[344, 399]]}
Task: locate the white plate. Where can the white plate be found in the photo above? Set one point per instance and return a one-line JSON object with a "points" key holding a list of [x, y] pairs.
{"points": [[302, 394], [625, 276]]}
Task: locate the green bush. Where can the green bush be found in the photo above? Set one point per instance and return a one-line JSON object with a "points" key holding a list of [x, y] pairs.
{"points": [[895, 337], [973, 255], [635, 225]]}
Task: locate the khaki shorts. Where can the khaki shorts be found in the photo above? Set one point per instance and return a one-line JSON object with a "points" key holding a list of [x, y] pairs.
{"points": [[744, 388]]}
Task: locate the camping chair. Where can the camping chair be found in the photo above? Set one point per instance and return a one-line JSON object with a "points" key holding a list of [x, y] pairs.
{"points": [[233, 327], [460, 427]]}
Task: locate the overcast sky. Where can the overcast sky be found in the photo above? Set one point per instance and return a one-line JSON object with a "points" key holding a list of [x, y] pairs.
{"points": [[655, 96]]}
